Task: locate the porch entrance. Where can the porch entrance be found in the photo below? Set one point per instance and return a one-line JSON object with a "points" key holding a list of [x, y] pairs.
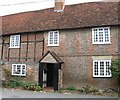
{"points": [[49, 70], [48, 75]]}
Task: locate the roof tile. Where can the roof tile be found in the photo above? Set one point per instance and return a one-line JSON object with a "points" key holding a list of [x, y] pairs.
{"points": [[74, 16]]}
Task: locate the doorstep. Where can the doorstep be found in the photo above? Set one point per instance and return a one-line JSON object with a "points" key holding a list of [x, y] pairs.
{"points": [[48, 89]]}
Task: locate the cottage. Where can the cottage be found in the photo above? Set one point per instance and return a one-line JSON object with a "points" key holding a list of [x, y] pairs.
{"points": [[73, 47]]}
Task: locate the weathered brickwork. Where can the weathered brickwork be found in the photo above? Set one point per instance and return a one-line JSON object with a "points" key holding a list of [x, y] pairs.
{"points": [[29, 53], [31, 73], [76, 50], [79, 42]]}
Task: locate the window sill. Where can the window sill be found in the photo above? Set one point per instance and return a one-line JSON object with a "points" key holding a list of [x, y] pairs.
{"points": [[18, 75], [102, 76], [53, 45], [14, 47], [103, 43]]}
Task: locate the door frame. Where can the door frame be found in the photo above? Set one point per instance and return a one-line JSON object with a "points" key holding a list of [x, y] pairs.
{"points": [[56, 66]]}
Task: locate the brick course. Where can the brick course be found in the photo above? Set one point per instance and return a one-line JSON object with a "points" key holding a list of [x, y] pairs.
{"points": [[31, 74], [77, 51]]}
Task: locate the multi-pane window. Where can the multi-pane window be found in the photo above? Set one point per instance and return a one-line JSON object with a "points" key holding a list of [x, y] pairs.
{"points": [[14, 41], [19, 69], [101, 35], [53, 38], [101, 68]]}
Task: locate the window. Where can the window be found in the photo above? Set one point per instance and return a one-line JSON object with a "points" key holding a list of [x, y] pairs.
{"points": [[15, 41], [101, 35], [53, 38], [19, 69], [101, 68]]}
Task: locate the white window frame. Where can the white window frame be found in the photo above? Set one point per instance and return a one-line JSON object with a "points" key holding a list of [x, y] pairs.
{"points": [[15, 69], [98, 35], [105, 67], [15, 43], [53, 38]]}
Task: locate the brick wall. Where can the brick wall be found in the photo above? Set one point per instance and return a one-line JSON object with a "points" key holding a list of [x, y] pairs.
{"points": [[22, 56], [76, 50], [31, 73]]}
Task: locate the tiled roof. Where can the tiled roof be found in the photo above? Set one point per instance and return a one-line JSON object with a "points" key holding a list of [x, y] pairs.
{"points": [[74, 16]]}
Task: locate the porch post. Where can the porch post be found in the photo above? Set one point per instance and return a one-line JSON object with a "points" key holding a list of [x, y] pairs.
{"points": [[56, 77], [40, 74]]}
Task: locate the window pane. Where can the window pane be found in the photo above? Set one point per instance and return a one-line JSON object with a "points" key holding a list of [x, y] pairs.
{"points": [[108, 71], [101, 35], [53, 37], [102, 68], [17, 41], [14, 69], [19, 69], [95, 36], [95, 68], [23, 69], [14, 41], [106, 35]]}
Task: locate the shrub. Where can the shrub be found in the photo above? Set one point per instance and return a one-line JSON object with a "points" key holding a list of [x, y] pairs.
{"points": [[71, 88], [25, 85], [81, 90], [91, 89], [87, 89], [32, 86], [14, 83], [115, 68]]}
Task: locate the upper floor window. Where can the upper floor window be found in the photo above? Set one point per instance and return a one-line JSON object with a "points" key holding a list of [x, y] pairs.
{"points": [[101, 68], [14, 41], [53, 38], [101, 35], [19, 69]]}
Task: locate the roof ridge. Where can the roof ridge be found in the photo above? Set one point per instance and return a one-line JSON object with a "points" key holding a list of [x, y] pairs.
{"points": [[75, 16], [24, 12]]}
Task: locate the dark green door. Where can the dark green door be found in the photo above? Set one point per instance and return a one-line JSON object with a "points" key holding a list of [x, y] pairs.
{"points": [[50, 75]]}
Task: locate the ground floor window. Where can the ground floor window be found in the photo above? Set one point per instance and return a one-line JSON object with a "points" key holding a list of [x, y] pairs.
{"points": [[101, 68], [19, 69]]}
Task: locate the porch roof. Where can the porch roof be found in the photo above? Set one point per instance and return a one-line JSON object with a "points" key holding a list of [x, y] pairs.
{"points": [[50, 57]]}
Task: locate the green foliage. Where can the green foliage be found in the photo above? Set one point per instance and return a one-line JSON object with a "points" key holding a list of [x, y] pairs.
{"points": [[87, 89], [115, 68], [25, 85], [71, 88], [32, 86], [14, 83], [81, 90], [91, 89]]}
